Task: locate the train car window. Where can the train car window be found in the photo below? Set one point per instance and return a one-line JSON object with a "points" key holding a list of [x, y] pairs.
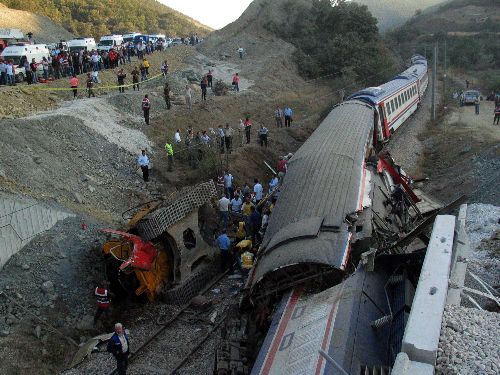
{"points": [[399, 100], [388, 109], [392, 105]]}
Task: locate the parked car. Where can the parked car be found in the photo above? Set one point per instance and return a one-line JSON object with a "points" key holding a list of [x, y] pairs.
{"points": [[470, 96], [177, 42]]}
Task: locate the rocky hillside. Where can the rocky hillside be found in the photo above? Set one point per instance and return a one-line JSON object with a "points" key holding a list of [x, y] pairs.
{"points": [[44, 29], [95, 18], [458, 16], [392, 13]]}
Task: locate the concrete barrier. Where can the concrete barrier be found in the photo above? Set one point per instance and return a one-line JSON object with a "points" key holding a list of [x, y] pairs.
{"points": [[403, 366], [421, 338], [21, 219], [461, 254]]}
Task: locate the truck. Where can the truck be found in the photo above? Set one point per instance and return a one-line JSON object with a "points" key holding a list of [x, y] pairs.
{"points": [[167, 249], [108, 42], [20, 52], [86, 44]]}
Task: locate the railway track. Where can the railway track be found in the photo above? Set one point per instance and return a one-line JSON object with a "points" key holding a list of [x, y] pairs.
{"points": [[166, 351]]}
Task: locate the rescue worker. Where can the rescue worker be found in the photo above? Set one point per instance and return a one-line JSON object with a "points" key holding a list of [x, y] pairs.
{"points": [[146, 105], [119, 346], [239, 229], [166, 94], [170, 154], [103, 301]]}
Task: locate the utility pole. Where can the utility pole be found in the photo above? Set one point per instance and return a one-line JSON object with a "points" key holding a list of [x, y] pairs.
{"points": [[434, 69], [445, 97]]}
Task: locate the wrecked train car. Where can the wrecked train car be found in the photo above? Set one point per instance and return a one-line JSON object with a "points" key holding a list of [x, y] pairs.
{"points": [[339, 199], [167, 249]]}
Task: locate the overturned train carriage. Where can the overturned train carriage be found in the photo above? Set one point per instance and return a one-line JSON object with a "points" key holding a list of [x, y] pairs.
{"points": [[337, 203], [167, 249]]}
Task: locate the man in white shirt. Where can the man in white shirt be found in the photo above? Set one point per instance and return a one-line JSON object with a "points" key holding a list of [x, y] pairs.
{"points": [[177, 136], [205, 139], [258, 190], [228, 184], [118, 345], [241, 51], [223, 206], [143, 161]]}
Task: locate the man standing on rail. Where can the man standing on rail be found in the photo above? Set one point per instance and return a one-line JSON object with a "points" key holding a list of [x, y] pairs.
{"points": [[146, 105], [118, 345]]}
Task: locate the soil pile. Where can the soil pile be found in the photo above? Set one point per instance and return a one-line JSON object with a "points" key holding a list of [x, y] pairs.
{"points": [[44, 30]]}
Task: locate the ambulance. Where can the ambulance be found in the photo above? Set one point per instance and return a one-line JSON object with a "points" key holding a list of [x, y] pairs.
{"points": [[19, 52]]}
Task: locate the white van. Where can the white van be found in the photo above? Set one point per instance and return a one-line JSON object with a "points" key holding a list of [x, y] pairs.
{"points": [[17, 52], [87, 44], [109, 41]]}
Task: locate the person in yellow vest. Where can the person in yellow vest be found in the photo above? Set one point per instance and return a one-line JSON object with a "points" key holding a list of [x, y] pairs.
{"points": [[245, 255], [239, 230], [170, 154]]}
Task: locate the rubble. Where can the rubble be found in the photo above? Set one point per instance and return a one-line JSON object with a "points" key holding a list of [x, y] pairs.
{"points": [[469, 342]]}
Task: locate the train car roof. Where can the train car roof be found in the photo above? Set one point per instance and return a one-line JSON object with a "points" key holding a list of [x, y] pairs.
{"points": [[321, 187], [337, 321], [375, 95]]}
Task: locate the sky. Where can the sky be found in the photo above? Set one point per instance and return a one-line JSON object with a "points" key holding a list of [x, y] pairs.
{"points": [[213, 13]]}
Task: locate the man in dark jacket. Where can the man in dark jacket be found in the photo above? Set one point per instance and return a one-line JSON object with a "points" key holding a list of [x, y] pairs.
{"points": [[118, 345]]}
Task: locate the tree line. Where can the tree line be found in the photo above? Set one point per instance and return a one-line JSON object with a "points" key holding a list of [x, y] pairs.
{"points": [[98, 17], [334, 38]]}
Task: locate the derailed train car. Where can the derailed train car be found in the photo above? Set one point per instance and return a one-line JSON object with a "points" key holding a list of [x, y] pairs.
{"points": [[344, 206]]}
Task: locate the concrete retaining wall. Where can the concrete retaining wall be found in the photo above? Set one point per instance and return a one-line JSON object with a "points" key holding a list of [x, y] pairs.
{"points": [[22, 219]]}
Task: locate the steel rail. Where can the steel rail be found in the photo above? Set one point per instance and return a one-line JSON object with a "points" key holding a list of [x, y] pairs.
{"points": [[169, 322]]}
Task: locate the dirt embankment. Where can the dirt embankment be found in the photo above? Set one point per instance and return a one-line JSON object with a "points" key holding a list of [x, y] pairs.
{"points": [[462, 155], [43, 29]]}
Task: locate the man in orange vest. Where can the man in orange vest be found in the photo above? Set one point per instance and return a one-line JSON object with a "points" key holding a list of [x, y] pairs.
{"points": [[73, 82], [103, 301], [146, 105]]}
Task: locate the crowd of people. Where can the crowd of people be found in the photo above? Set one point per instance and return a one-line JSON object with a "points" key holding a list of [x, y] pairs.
{"points": [[62, 63], [244, 213]]}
